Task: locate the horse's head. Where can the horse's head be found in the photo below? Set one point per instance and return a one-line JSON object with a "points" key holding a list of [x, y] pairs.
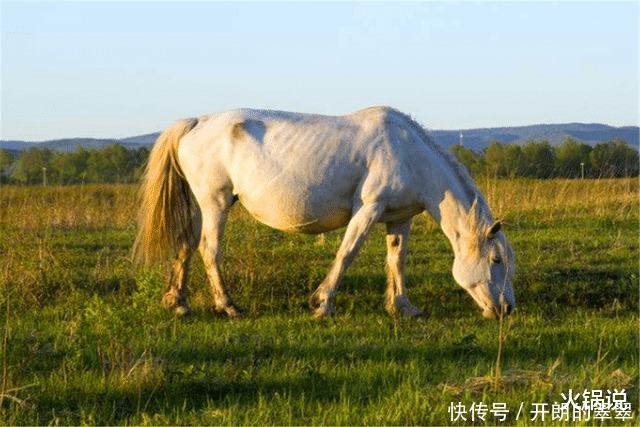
{"points": [[484, 265]]}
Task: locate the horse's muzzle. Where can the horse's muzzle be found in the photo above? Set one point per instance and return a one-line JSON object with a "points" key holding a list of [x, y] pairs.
{"points": [[504, 309]]}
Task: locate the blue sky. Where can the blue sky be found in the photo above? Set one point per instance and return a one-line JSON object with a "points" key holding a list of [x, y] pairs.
{"points": [[117, 69]]}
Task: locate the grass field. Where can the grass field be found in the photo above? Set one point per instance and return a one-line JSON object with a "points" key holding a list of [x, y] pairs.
{"points": [[85, 340]]}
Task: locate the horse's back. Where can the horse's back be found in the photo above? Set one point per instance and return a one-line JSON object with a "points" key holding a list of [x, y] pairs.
{"points": [[292, 171]]}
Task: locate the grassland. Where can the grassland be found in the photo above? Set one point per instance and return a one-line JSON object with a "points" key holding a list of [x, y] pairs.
{"points": [[85, 341]]}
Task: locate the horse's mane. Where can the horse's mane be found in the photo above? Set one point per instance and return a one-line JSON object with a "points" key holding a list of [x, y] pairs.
{"points": [[479, 213], [460, 170]]}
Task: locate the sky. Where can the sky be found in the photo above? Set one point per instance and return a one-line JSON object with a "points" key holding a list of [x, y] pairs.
{"points": [[125, 68]]}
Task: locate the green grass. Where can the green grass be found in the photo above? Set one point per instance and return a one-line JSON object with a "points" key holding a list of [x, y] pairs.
{"points": [[86, 341]]}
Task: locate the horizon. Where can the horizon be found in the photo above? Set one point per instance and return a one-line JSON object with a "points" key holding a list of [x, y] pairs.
{"points": [[427, 129], [113, 70]]}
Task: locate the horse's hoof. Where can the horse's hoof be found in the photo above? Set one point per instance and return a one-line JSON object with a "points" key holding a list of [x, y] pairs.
{"points": [[401, 307], [234, 313], [415, 313], [230, 311], [411, 311], [323, 310], [314, 302], [183, 310], [405, 312]]}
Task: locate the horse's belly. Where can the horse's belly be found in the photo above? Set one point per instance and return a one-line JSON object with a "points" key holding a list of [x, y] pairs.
{"points": [[312, 195], [296, 213]]}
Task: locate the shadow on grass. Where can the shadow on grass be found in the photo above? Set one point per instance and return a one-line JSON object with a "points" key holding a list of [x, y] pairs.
{"points": [[590, 287], [210, 378]]}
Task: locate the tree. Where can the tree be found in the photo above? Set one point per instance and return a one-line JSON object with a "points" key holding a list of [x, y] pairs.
{"points": [[467, 157], [6, 160], [70, 168], [494, 159], [503, 161], [119, 160], [614, 159], [538, 159], [513, 160], [140, 157], [33, 165], [111, 164], [97, 167], [570, 156]]}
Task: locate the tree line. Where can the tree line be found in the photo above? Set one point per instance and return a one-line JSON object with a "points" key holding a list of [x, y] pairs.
{"points": [[117, 164], [571, 159], [112, 164]]}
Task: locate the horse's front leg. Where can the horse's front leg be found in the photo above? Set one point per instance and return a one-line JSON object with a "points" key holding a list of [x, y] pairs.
{"points": [[397, 302], [357, 230]]}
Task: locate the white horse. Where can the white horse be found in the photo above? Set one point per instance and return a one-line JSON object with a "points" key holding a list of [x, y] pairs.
{"points": [[312, 174]]}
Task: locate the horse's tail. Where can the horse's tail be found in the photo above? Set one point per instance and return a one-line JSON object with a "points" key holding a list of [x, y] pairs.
{"points": [[165, 217]]}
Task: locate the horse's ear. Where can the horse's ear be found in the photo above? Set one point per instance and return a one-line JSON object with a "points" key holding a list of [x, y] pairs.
{"points": [[494, 229]]}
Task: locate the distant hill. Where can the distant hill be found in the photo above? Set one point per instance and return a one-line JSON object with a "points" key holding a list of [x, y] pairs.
{"points": [[475, 139], [555, 134], [67, 145], [12, 145], [147, 139]]}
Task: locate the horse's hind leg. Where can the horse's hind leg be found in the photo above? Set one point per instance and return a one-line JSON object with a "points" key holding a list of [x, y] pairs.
{"points": [[214, 218], [397, 302], [176, 295]]}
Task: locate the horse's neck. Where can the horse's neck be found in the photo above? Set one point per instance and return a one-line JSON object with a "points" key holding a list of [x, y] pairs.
{"points": [[454, 218], [453, 202]]}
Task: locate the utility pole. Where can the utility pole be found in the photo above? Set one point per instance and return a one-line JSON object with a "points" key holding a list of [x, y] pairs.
{"points": [[44, 176], [582, 169]]}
